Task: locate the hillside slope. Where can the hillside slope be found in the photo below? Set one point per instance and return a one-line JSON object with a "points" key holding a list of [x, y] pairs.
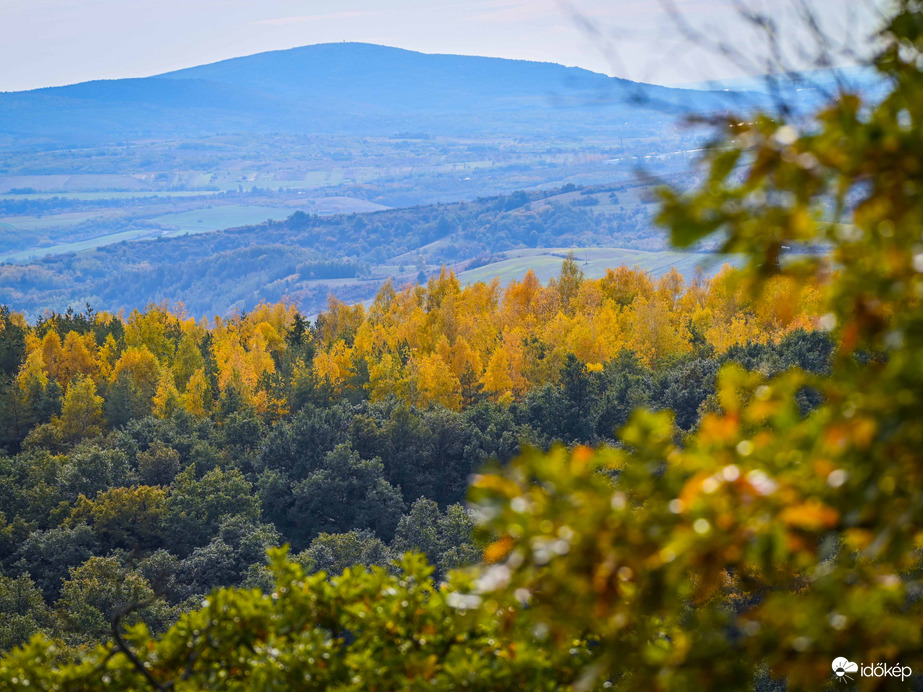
{"points": [[345, 87]]}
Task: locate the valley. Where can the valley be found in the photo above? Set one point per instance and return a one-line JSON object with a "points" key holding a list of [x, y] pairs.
{"points": [[88, 203]]}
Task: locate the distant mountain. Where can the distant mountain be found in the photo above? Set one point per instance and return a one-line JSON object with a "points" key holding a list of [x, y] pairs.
{"points": [[362, 75], [346, 88]]}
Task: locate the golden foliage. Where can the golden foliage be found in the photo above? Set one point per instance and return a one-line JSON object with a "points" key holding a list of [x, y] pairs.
{"points": [[510, 341], [440, 343]]}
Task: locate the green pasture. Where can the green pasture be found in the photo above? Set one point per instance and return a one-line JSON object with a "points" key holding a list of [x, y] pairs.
{"points": [[31, 223], [546, 263], [76, 246], [216, 218]]}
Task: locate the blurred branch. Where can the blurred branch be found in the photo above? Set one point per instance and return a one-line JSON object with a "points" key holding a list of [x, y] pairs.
{"points": [[118, 615], [793, 40]]}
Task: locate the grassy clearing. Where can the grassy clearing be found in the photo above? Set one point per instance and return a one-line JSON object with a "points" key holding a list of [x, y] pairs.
{"points": [[546, 263], [31, 223], [340, 205], [77, 246], [216, 218]]}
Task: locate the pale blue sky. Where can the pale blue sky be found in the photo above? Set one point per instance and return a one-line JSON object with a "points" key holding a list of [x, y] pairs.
{"points": [[51, 42]]}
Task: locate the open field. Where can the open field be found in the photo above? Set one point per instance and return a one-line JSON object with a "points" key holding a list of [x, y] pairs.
{"points": [[76, 246], [339, 205], [84, 196], [218, 217], [546, 263], [12, 223]]}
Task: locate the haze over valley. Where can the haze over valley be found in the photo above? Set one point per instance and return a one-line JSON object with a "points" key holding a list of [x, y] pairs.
{"points": [[107, 184]]}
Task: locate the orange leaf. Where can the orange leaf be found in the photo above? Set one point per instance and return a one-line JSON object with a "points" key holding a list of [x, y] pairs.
{"points": [[811, 515], [498, 549]]}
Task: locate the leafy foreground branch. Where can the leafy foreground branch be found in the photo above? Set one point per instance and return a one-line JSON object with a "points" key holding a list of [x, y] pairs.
{"points": [[767, 539], [765, 545], [359, 631]]}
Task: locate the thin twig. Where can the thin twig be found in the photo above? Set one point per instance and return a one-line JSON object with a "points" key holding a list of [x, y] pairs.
{"points": [[122, 645]]}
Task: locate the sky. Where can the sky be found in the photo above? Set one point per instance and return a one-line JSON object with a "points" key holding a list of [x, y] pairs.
{"points": [[55, 42]]}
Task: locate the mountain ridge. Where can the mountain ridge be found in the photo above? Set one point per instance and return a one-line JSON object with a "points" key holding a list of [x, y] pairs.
{"points": [[334, 87]]}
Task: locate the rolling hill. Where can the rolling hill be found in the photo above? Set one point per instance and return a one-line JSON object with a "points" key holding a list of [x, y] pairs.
{"points": [[345, 88], [307, 257]]}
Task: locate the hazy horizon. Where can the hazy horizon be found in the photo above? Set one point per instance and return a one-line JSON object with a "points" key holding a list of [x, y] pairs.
{"points": [[634, 39]]}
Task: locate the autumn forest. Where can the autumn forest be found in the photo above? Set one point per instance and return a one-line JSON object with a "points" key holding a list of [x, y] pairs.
{"points": [[153, 445], [583, 474]]}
